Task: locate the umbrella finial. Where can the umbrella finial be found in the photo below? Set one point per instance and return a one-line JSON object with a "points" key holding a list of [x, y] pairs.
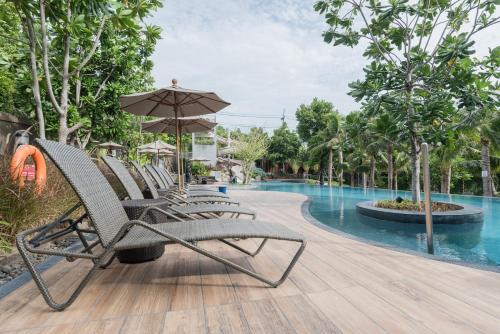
{"points": [[174, 83]]}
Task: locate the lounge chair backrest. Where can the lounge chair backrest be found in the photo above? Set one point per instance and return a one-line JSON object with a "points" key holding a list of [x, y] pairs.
{"points": [[98, 197], [123, 175], [156, 177], [163, 177], [167, 175], [149, 183]]}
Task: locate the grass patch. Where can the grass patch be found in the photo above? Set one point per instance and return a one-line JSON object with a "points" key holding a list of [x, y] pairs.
{"points": [[21, 209]]}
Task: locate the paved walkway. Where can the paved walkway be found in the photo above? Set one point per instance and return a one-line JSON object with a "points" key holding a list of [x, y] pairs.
{"points": [[339, 285]]}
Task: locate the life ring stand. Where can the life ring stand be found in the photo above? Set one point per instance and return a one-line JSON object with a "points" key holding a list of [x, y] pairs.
{"points": [[17, 166]]}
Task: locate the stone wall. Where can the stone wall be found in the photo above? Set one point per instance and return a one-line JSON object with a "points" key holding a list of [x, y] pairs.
{"points": [[9, 124]]}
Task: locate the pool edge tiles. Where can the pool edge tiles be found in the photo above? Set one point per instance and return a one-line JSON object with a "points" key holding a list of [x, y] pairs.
{"points": [[334, 209], [310, 219]]}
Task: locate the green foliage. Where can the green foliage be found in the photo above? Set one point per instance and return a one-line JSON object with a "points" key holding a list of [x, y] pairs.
{"points": [[284, 145], [109, 48], [313, 118], [407, 205], [14, 74], [421, 71], [199, 169], [250, 148]]}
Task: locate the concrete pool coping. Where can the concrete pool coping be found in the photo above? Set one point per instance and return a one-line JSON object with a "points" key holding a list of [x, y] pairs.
{"points": [[309, 218], [467, 214]]}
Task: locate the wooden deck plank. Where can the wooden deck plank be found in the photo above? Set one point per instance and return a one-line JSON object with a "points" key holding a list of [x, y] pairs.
{"points": [[226, 319], [185, 322], [144, 324], [304, 316], [264, 316], [347, 317], [339, 285]]}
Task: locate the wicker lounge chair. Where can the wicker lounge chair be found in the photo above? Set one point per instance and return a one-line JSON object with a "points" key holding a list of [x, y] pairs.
{"points": [[164, 185], [193, 187], [169, 180], [155, 193], [116, 232], [186, 210]]}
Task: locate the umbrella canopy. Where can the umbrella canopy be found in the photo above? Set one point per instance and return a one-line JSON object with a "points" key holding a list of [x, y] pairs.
{"points": [[157, 145], [173, 101], [201, 159], [161, 151], [111, 146], [186, 125]]}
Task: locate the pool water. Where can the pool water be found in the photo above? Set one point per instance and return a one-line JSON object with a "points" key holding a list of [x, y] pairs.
{"points": [[336, 208]]}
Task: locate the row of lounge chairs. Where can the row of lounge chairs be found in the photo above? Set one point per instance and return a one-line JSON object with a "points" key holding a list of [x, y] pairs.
{"points": [[186, 218], [171, 200]]}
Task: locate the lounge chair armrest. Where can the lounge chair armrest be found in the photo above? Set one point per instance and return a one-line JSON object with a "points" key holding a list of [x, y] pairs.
{"points": [[162, 212], [170, 200], [177, 197], [21, 238]]}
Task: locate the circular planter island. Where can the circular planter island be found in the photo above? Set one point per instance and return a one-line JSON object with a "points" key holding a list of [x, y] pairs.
{"points": [[463, 214]]}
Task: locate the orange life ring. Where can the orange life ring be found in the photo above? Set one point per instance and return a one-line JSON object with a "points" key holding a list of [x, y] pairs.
{"points": [[17, 166]]}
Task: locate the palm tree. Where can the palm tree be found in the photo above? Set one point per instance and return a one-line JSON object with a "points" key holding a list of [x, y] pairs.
{"points": [[489, 132], [401, 163], [447, 152], [295, 165], [327, 140], [386, 131]]}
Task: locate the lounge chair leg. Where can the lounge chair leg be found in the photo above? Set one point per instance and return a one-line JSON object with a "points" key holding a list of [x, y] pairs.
{"points": [[252, 254], [42, 286], [253, 274], [105, 265]]}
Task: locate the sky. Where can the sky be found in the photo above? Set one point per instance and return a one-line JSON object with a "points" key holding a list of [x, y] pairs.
{"points": [[263, 56]]}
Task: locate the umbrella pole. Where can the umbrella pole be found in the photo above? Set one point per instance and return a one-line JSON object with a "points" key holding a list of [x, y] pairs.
{"points": [[177, 144], [182, 156]]}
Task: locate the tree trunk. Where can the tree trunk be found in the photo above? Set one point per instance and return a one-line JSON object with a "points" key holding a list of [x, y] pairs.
{"points": [[321, 172], [34, 77], [486, 168], [63, 114], [372, 173], [330, 166], [396, 180], [364, 180], [389, 167], [415, 170], [63, 129], [353, 179], [341, 169], [445, 179]]}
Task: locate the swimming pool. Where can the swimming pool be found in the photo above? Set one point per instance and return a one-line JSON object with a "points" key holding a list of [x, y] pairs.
{"points": [[336, 208]]}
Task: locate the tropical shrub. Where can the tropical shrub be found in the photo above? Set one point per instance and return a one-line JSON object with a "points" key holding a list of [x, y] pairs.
{"points": [[21, 209]]}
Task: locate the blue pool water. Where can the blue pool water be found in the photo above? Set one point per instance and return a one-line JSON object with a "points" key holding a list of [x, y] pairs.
{"points": [[336, 207]]}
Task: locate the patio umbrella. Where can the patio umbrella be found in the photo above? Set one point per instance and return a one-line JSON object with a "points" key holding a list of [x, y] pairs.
{"points": [[111, 146], [173, 102], [157, 145], [161, 151], [186, 125], [200, 159]]}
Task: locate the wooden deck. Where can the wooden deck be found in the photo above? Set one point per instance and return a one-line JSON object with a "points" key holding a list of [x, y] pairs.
{"points": [[339, 285]]}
